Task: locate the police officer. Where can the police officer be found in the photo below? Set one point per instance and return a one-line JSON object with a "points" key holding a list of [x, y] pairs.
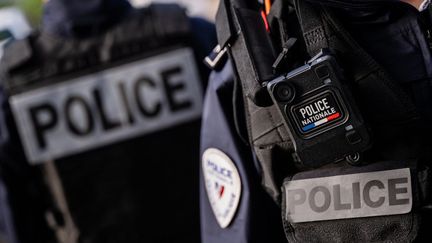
{"points": [[247, 151], [103, 109]]}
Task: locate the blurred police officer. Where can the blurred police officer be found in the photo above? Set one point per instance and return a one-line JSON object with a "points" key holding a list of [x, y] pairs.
{"points": [[7, 228], [386, 48], [102, 108]]}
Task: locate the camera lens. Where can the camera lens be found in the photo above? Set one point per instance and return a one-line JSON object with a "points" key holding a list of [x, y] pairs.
{"points": [[284, 92]]}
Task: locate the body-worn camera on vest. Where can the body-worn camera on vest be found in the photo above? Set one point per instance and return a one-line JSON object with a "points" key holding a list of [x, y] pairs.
{"points": [[320, 113]]}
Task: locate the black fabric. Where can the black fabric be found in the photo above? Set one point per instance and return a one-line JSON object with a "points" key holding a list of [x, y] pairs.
{"points": [[245, 49], [395, 228], [400, 131], [141, 190], [28, 196], [286, 37], [225, 27], [135, 191], [264, 136], [265, 128], [257, 43], [82, 18], [354, 4], [53, 57], [389, 34], [386, 105], [251, 44], [312, 26], [393, 111]]}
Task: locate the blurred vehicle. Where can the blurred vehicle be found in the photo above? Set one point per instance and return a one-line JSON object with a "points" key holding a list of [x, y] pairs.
{"points": [[13, 25]]}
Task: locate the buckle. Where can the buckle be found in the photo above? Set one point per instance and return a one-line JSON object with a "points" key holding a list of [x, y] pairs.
{"points": [[217, 58]]}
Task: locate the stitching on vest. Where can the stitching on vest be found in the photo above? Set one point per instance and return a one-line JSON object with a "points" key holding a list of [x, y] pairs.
{"points": [[274, 124], [314, 36], [285, 145], [270, 131]]}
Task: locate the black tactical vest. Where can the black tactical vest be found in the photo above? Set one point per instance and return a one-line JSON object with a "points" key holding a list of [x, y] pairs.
{"points": [[112, 124], [298, 31]]}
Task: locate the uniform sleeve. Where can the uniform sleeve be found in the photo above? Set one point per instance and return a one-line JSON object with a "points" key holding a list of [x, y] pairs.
{"points": [[204, 40], [257, 218], [204, 34]]}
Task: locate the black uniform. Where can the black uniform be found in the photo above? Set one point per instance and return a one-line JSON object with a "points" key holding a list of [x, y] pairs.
{"points": [[396, 37], [110, 98]]}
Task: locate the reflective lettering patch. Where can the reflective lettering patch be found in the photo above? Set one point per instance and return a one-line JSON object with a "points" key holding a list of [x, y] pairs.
{"points": [[223, 185], [349, 196], [110, 106]]}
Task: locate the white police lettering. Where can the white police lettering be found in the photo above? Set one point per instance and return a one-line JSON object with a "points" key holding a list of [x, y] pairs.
{"points": [[349, 196], [223, 185], [315, 108], [110, 106], [318, 112]]}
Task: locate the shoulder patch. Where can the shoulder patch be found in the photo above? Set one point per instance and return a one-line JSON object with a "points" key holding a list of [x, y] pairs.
{"points": [[223, 185]]}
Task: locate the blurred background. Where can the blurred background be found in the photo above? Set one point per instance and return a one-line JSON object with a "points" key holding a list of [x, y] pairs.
{"points": [[18, 17], [204, 8], [32, 8]]}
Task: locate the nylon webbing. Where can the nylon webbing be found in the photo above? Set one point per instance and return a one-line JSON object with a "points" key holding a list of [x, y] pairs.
{"points": [[250, 47], [66, 231], [225, 28], [312, 26]]}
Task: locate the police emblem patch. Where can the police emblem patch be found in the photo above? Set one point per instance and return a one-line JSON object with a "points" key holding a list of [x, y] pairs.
{"points": [[223, 185], [318, 113]]}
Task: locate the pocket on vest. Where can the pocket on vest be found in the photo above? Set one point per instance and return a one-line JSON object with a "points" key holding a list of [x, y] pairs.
{"points": [[379, 202]]}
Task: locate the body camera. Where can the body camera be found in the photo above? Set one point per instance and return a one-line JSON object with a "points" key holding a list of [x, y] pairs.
{"points": [[320, 113]]}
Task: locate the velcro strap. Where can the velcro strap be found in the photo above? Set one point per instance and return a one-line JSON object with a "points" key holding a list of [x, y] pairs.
{"points": [[312, 26], [224, 26]]}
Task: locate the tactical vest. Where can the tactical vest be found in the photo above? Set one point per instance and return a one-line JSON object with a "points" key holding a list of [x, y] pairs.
{"points": [[7, 229], [112, 122], [386, 196]]}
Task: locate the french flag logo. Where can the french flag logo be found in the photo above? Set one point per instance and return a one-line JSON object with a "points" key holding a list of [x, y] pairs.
{"points": [[220, 189], [321, 122]]}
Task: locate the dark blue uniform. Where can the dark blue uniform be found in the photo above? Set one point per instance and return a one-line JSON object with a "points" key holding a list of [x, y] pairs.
{"points": [[392, 32], [141, 190], [7, 228], [251, 222]]}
